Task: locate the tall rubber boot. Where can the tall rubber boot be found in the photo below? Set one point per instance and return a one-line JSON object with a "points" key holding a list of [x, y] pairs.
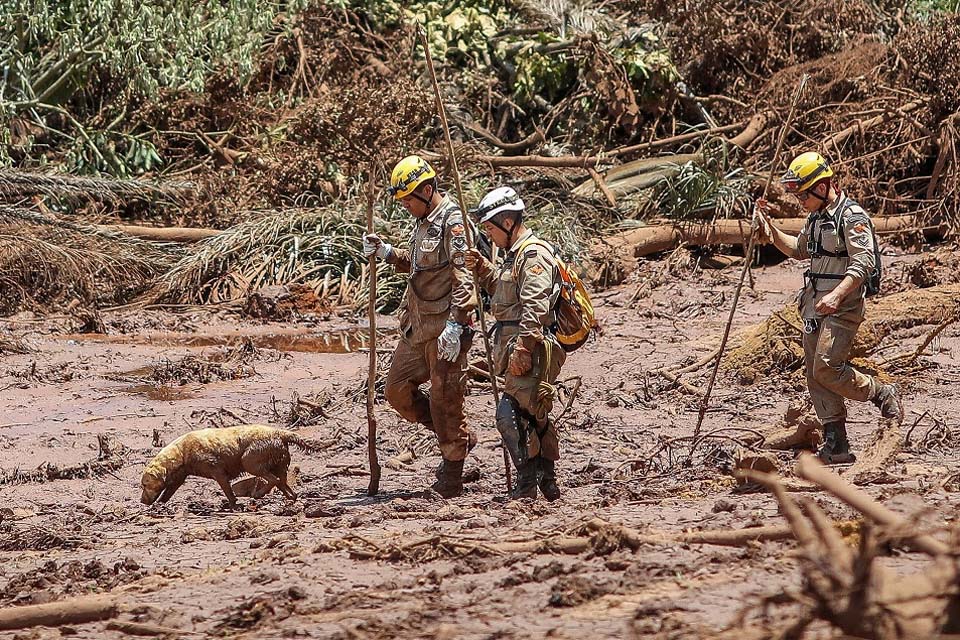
{"points": [[449, 482], [888, 401], [835, 448], [548, 479], [525, 485]]}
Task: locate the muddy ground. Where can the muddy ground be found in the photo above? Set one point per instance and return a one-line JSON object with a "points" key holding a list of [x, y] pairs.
{"points": [[275, 569]]}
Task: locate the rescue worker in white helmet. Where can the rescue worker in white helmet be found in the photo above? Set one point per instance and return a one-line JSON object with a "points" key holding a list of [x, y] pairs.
{"points": [[435, 317], [844, 266], [524, 289]]}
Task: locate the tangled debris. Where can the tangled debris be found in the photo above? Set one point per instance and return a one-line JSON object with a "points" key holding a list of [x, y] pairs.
{"points": [[110, 458]]}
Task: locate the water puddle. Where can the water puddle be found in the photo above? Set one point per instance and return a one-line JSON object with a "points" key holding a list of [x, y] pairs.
{"points": [[160, 392], [339, 341]]}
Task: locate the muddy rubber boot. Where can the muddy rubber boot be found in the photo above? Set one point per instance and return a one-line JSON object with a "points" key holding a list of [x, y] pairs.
{"points": [[548, 479], [525, 485], [449, 482], [888, 401], [835, 448]]}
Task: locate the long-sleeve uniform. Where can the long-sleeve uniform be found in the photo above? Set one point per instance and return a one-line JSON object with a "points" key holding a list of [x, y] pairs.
{"points": [[524, 290], [835, 251], [440, 287]]}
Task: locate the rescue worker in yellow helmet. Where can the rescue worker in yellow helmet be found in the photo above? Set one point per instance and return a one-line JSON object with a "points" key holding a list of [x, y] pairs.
{"points": [[435, 317], [838, 240], [524, 289]]}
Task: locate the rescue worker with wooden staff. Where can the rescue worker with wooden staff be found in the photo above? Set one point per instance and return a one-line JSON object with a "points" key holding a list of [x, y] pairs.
{"points": [[435, 316], [838, 240], [524, 287]]}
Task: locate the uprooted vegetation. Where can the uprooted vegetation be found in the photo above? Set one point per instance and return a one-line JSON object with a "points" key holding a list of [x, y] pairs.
{"points": [[604, 116]]}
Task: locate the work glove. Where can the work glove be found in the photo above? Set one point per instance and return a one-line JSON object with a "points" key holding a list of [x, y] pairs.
{"points": [[521, 360], [373, 245], [761, 223], [448, 344], [472, 258]]}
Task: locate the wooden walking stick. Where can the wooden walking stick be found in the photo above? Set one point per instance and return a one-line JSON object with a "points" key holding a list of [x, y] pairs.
{"points": [[374, 485], [705, 401], [468, 229]]}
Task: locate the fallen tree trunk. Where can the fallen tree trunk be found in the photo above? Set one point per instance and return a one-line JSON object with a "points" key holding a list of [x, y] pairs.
{"points": [[164, 234], [753, 128], [56, 614], [645, 241], [647, 172]]}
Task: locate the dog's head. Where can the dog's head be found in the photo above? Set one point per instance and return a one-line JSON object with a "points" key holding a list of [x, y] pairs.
{"points": [[153, 483]]}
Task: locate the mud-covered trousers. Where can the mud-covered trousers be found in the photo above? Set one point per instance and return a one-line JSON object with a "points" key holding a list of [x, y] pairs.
{"points": [[440, 409], [543, 440], [830, 378]]}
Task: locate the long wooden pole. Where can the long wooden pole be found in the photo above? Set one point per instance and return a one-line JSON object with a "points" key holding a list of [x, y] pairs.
{"points": [[467, 227], [374, 486], [705, 402]]}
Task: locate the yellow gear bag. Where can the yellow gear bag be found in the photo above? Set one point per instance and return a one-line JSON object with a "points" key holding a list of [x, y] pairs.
{"points": [[575, 315]]}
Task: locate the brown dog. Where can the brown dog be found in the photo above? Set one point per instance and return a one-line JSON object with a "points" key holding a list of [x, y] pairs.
{"points": [[222, 455]]}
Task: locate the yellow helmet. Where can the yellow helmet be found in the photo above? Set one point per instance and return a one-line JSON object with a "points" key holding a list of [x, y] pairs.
{"points": [[805, 171], [409, 174]]}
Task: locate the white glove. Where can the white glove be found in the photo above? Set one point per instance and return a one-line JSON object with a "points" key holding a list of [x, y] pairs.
{"points": [[373, 245], [761, 223], [448, 344]]}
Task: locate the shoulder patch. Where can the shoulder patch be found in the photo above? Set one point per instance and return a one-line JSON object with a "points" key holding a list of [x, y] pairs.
{"points": [[859, 227], [857, 217], [536, 269], [457, 229], [530, 253]]}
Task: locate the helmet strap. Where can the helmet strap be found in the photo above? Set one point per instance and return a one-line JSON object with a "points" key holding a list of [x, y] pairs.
{"points": [[516, 225], [425, 201], [823, 199]]}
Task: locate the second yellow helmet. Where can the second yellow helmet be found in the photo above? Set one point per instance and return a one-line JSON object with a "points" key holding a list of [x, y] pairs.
{"points": [[409, 174]]}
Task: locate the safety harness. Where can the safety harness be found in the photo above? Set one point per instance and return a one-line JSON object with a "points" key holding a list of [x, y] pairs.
{"points": [[816, 250]]}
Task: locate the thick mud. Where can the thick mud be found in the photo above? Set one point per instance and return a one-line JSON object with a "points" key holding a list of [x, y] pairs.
{"points": [[406, 563]]}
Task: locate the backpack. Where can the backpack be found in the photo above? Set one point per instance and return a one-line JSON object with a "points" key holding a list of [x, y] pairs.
{"points": [[574, 310], [872, 284]]}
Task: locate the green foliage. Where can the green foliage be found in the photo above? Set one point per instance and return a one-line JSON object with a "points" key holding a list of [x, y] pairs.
{"points": [[458, 31], [708, 188], [150, 43], [113, 52], [649, 66], [550, 76], [925, 8]]}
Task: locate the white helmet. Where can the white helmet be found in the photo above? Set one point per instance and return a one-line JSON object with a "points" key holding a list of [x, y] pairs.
{"points": [[500, 200]]}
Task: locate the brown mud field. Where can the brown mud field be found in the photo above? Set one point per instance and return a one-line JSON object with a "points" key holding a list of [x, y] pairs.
{"points": [[82, 414]]}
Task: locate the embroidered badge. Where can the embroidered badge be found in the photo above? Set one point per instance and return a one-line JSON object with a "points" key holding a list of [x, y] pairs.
{"points": [[536, 270], [859, 227], [457, 229], [428, 245], [459, 243], [457, 260]]}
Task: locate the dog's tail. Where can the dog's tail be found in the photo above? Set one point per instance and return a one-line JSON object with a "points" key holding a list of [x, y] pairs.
{"points": [[304, 444]]}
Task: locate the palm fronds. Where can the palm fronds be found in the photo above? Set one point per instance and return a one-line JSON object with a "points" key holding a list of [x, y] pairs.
{"points": [[319, 248], [705, 188], [17, 183], [46, 261]]}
